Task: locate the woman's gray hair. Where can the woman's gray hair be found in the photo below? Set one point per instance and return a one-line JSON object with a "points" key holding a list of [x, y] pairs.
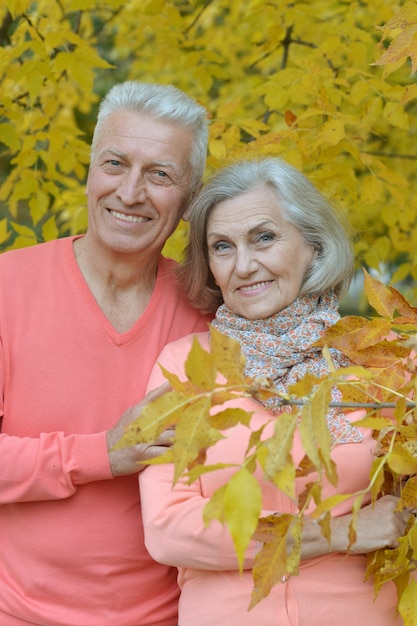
{"points": [[164, 102], [303, 205]]}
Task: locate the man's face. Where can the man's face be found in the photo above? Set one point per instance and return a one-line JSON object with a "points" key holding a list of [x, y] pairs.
{"points": [[139, 182]]}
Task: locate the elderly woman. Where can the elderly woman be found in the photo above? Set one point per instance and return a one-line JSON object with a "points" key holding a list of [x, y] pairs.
{"points": [[269, 251]]}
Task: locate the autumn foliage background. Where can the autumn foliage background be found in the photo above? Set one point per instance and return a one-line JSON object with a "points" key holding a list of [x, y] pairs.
{"points": [[328, 85]]}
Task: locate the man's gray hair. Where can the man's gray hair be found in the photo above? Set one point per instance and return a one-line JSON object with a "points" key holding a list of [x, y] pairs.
{"points": [[164, 102]]}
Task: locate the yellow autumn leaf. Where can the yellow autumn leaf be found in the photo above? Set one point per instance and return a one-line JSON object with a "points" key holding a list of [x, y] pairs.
{"points": [[315, 435], [379, 296], [50, 229], [374, 422], [409, 498], [376, 477], [395, 114], [242, 507], [4, 231], [193, 435], [401, 461], [9, 136], [385, 300], [199, 366], [356, 507], [403, 46], [408, 604], [409, 93], [328, 504], [270, 565], [176, 383], [24, 241], [154, 418], [229, 417], [17, 6], [217, 149], [228, 109], [228, 357], [278, 465], [332, 132], [373, 190]]}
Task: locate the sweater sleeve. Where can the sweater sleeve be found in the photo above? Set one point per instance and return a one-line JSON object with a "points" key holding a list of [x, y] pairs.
{"points": [[51, 466], [175, 533]]}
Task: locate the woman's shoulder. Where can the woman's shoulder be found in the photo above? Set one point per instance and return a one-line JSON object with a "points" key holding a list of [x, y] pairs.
{"points": [[183, 345]]}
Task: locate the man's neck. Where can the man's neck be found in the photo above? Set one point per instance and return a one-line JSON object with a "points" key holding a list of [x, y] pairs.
{"points": [[122, 285]]}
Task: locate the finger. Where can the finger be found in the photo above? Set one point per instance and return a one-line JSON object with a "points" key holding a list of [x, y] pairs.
{"points": [[166, 438], [157, 392]]}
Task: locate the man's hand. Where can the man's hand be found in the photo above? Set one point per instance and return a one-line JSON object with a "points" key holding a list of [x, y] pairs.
{"points": [[126, 461]]}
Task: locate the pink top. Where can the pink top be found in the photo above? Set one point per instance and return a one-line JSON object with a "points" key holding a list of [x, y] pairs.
{"points": [[71, 547], [329, 590]]}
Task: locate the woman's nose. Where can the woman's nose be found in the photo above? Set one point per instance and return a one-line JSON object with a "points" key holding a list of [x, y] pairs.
{"points": [[246, 262]]}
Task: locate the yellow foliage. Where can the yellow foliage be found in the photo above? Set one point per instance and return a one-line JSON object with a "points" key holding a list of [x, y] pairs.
{"points": [[324, 84]]}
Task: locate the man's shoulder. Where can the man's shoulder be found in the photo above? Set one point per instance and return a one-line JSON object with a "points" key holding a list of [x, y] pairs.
{"points": [[38, 251], [29, 268]]}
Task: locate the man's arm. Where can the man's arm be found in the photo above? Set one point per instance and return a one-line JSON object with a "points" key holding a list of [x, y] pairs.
{"points": [[53, 465]]}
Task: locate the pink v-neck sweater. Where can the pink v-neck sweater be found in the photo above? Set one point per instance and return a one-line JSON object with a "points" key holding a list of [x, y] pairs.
{"points": [[71, 539]]}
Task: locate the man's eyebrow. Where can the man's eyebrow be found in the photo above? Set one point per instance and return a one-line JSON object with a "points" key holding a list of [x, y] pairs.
{"points": [[112, 151], [120, 153], [165, 164]]}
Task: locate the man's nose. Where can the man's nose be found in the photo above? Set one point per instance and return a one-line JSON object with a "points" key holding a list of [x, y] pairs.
{"points": [[132, 188]]}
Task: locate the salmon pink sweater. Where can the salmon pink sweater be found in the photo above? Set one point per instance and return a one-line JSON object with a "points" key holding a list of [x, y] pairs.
{"points": [[71, 539], [328, 591]]}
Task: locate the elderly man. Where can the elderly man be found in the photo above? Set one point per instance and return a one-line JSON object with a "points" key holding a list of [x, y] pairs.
{"points": [[82, 320]]}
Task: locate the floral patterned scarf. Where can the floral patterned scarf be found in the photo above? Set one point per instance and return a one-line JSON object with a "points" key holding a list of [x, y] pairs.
{"points": [[280, 348]]}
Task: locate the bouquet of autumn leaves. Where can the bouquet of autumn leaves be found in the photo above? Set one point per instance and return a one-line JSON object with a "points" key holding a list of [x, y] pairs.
{"points": [[381, 380]]}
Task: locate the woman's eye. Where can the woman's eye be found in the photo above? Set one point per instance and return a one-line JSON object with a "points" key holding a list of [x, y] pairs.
{"points": [[220, 247], [265, 237]]}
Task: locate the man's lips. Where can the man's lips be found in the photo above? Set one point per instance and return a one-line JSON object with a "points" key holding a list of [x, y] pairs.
{"points": [[127, 217]]}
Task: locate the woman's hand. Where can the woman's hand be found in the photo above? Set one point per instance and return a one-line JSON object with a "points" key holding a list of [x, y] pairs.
{"points": [[378, 525]]}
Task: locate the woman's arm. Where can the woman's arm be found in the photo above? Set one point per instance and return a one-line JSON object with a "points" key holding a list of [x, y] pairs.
{"points": [[377, 526]]}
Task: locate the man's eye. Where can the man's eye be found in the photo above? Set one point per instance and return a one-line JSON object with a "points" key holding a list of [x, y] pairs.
{"points": [[160, 177]]}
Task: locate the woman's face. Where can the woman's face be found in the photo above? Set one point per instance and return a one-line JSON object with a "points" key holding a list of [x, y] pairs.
{"points": [[258, 259]]}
